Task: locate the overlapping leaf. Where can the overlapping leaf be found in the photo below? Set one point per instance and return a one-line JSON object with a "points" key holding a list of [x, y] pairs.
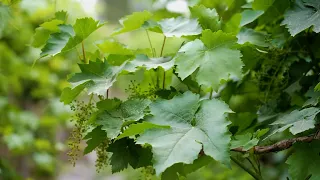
{"points": [[253, 37], [100, 74], [248, 16], [245, 141], [130, 110], [298, 120], [94, 138], [125, 152], [51, 26], [302, 16], [149, 63], [57, 41], [68, 94], [114, 47], [262, 4], [305, 161], [208, 18], [133, 22], [183, 141], [82, 28], [180, 26], [214, 56], [69, 36], [139, 128]]}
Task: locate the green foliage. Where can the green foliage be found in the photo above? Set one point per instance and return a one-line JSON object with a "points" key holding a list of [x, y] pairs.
{"points": [[233, 72], [307, 13], [303, 162], [213, 50], [298, 120], [179, 114], [98, 76]]}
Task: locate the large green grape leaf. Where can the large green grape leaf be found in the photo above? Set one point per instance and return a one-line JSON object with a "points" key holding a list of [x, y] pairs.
{"points": [[94, 138], [189, 132], [302, 16], [101, 74], [149, 63], [208, 18], [128, 111], [133, 22], [57, 41], [180, 26], [298, 120], [125, 152], [305, 161], [214, 56]]}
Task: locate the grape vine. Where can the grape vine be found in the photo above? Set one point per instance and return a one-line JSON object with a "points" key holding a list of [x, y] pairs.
{"points": [[242, 74]]}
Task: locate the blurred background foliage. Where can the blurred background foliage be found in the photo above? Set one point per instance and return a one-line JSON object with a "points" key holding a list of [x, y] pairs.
{"points": [[34, 124]]}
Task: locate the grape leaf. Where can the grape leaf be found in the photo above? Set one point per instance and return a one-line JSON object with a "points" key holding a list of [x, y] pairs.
{"points": [[208, 18], [245, 141], [94, 138], [133, 22], [305, 161], [52, 25], [82, 28], [101, 74], [314, 98], [40, 37], [69, 37], [317, 88], [298, 120], [183, 142], [213, 56], [253, 37], [173, 172], [130, 110], [61, 15], [125, 152], [43, 32], [114, 47], [248, 16], [233, 25], [68, 94], [57, 41], [302, 16], [180, 26], [149, 63], [108, 104], [262, 4], [135, 129]]}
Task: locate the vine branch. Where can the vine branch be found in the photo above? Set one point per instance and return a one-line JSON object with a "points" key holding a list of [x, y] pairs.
{"points": [[279, 146]]}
